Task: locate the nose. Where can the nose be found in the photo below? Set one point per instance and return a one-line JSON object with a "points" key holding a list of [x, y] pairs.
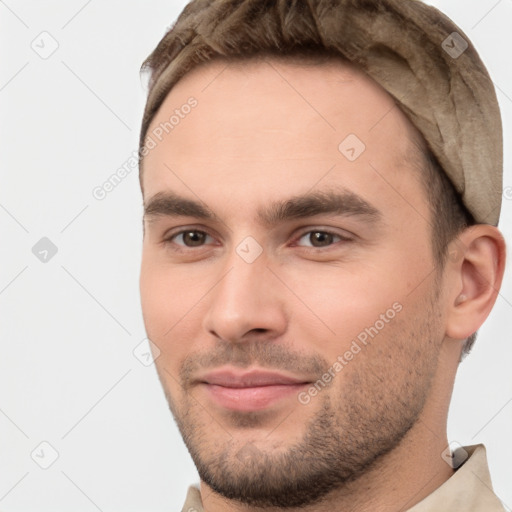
{"points": [[247, 301]]}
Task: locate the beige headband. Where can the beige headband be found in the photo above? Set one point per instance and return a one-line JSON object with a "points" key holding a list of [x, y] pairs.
{"points": [[412, 50]]}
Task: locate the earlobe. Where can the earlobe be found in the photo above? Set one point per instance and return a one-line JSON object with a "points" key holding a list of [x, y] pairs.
{"points": [[477, 273]]}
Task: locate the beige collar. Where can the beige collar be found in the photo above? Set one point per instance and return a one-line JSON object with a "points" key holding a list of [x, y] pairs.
{"points": [[468, 489]]}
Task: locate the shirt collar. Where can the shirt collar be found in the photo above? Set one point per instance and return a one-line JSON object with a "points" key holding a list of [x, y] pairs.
{"points": [[468, 489]]}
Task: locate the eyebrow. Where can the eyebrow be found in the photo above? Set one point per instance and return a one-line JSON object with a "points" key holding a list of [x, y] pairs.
{"points": [[329, 202]]}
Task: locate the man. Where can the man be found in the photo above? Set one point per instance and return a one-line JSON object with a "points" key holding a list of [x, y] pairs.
{"points": [[321, 183]]}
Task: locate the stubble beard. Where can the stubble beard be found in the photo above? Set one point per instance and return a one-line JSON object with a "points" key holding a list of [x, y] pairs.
{"points": [[342, 440]]}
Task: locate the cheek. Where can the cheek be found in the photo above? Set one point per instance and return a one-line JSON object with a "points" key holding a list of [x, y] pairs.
{"points": [[165, 299], [154, 298], [340, 304], [171, 308]]}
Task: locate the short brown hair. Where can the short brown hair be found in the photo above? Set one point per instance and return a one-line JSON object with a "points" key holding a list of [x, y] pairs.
{"points": [[243, 29], [448, 215]]}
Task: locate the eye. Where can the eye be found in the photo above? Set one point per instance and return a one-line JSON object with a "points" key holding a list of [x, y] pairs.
{"points": [[190, 238], [319, 239]]}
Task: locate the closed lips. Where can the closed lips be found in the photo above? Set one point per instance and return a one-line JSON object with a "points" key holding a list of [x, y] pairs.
{"points": [[249, 380]]}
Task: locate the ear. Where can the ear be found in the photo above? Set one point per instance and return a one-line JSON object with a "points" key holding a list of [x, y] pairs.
{"points": [[476, 265]]}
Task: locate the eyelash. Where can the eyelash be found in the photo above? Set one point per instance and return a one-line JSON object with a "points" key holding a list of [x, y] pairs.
{"points": [[169, 240]]}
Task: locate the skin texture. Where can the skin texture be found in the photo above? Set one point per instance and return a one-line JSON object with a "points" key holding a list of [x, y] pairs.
{"points": [[372, 438]]}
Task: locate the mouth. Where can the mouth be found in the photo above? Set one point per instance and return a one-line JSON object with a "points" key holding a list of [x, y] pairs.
{"points": [[249, 391]]}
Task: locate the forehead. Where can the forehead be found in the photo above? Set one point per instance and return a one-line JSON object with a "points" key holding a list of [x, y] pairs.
{"points": [[330, 90], [275, 122]]}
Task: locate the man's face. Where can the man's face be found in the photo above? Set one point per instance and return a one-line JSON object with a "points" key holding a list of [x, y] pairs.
{"points": [[298, 331]]}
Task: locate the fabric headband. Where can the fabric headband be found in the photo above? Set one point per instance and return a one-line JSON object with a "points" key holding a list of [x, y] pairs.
{"points": [[416, 53]]}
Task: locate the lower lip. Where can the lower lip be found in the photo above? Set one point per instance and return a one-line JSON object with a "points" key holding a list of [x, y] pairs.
{"points": [[251, 399]]}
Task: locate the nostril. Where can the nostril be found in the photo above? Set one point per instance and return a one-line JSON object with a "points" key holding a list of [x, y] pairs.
{"points": [[258, 330]]}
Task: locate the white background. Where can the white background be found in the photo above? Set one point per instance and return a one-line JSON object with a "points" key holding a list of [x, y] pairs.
{"points": [[68, 375]]}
